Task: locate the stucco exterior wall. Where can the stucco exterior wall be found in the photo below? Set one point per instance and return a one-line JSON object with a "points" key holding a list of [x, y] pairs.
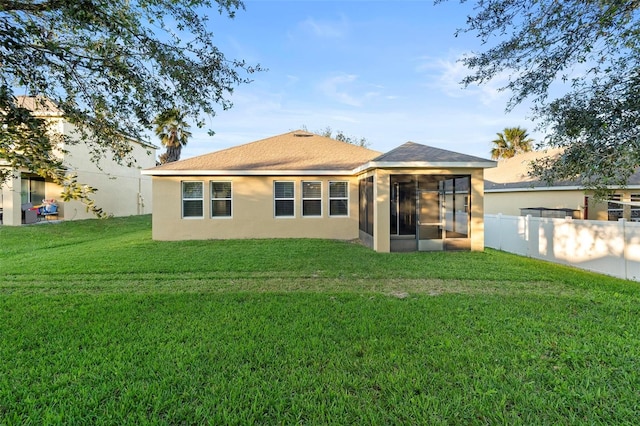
{"points": [[382, 210], [510, 203], [122, 190], [252, 210], [10, 201], [477, 210]]}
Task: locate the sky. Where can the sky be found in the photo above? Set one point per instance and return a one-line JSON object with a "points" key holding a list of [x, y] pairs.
{"points": [[386, 70]]}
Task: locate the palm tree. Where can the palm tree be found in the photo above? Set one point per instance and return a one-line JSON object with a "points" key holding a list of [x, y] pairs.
{"points": [[513, 141], [173, 132]]}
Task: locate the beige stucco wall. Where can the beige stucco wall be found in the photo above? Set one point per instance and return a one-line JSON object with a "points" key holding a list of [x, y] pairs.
{"points": [[510, 203], [122, 190], [252, 210], [477, 210], [10, 200], [382, 210]]}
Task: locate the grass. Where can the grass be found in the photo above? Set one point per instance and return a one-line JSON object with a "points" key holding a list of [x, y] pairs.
{"points": [[101, 325]]}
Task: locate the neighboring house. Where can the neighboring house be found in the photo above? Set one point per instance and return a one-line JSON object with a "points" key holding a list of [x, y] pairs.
{"points": [[302, 185], [121, 190], [511, 191]]}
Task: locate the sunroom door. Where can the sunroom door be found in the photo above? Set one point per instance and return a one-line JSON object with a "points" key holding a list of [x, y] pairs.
{"points": [[457, 212], [443, 211], [430, 221]]}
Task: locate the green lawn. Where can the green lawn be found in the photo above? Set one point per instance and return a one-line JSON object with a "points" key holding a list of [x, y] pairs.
{"points": [[101, 325]]}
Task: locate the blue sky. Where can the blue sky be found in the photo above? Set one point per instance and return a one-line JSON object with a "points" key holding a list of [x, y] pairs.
{"points": [[386, 71]]}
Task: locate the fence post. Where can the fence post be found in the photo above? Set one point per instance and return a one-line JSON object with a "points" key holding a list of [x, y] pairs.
{"points": [[527, 235], [623, 225], [499, 231]]}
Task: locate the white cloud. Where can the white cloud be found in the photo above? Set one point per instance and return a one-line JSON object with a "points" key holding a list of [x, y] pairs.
{"points": [[446, 75], [334, 88], [325, 29], [348, 89]]}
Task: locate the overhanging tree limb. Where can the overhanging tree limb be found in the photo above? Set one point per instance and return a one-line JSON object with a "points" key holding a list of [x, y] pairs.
{"points": [[593, 47], [112, 65]]}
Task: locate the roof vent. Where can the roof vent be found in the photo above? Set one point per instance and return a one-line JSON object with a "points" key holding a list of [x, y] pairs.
{"points": [[302, 135]]}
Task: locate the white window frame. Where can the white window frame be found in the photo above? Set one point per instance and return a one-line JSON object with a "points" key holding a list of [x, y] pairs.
{"points": [[616, 212], [276, 199], [303, 198], [230, 199], [635, 210], [201, 199], [339, 198]]}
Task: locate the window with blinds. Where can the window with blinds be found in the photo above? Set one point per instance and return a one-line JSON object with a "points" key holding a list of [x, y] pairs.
{"points": [[339, 198], [284, 199], [192, 199], [220, 199], [311, 198]]}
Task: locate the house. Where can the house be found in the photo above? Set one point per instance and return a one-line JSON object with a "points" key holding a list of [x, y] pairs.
{"points": [[121, 190], [511, 191], [302, 185]]}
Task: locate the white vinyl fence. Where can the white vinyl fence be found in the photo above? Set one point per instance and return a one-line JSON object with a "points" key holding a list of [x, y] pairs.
{"points": [[611, 248]]}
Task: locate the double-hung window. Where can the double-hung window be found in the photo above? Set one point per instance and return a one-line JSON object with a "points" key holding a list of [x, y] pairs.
{"points": [[284, 199], [311, 198], [220, 199], [614, 209], [635, 208], [192, 199], [339, 198]]}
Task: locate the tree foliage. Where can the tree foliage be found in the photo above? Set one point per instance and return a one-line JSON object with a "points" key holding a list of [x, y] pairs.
{"points": [[588, 49], [173, 131], [340, 136], [511, 142], [111, 66]]}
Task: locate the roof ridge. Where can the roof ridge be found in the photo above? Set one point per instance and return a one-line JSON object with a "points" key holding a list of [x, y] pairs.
{"points": [[286, 151], [414, 151]]}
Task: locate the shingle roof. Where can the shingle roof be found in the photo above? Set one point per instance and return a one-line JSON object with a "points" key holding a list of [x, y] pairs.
{"points": [[513, 173], [294, 151], [415, 152], [40, 105]]}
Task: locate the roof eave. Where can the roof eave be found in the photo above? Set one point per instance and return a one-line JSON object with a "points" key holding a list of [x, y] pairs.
{"points": [[551, 188], [339, 172], [425, 165], [152, 172]]}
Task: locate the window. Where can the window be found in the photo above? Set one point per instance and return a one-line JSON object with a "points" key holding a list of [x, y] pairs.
{"points": [[220, 199], [32, 190], [338, 198], [284, 197], [192, 199], [635, 207], [311, 198], [614, 210], [366, 205]]}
